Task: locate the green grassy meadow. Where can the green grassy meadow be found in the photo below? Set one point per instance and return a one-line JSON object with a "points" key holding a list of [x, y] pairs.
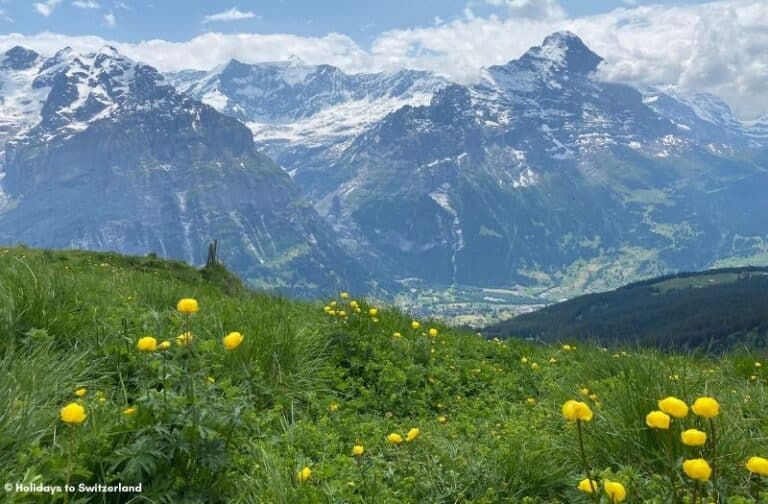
{"points": [[198, 422]]}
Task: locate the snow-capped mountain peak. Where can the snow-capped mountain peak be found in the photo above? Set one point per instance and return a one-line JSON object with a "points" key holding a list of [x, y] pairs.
{"points": [[65, 93], [560, 58], [19, 58], [562, 51], [312, 107]]}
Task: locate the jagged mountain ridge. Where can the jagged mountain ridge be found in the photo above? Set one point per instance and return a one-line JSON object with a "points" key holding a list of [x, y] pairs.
{"points": [[305, 116], [542, 174], [108, 155]]}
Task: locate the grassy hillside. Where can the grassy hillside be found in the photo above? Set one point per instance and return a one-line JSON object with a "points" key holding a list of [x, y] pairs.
{"points": [[713, 309], [199, 423]]}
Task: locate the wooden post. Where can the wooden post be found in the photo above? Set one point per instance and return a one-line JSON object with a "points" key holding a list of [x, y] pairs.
{"points": [[212, 251]]}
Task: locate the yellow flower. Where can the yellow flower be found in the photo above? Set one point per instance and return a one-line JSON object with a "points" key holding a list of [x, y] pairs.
{"points": [[577, 410], [232, 340], [358, 450], [534, 366], [757, 465], [81, 392], [757, 364], [397, 335], [432, 332], [342, 313], [184, 339], [706, 407], [211, 380], [588, 486], [657, 420], [531, 401], [415, 325], [72, 414], [673, 406], [333, 304], [697, 469], [442, 419], [395, 438], [344, 295], [147, 344], [304, 474], [552, 360], [333, 407], [326, 308], [187, 305], [165, 345], [584, 392], [615, 490], [593, 397], [129, 411], [353, 304], [412, 434], [373, 312], [567, 348], [524, 360], [693, 437]]}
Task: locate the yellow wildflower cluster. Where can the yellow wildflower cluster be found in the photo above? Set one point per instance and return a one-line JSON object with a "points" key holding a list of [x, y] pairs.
{"points": [[395, 438], [613, 489], [347, 306]]}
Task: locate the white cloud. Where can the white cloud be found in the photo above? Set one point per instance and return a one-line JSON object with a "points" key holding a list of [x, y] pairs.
{"points": [[86, 4], [210, 49], [532, 9], [233, 14], [46, 8], [719, 47], [109, 20]]}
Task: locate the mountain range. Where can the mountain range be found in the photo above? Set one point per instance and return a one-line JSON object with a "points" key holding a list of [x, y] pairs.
{"points": [[101, 152], [535, 183]]}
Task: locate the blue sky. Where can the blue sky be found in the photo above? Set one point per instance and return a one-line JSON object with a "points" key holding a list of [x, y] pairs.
{"points": [[176, 20], [716, 46]]}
